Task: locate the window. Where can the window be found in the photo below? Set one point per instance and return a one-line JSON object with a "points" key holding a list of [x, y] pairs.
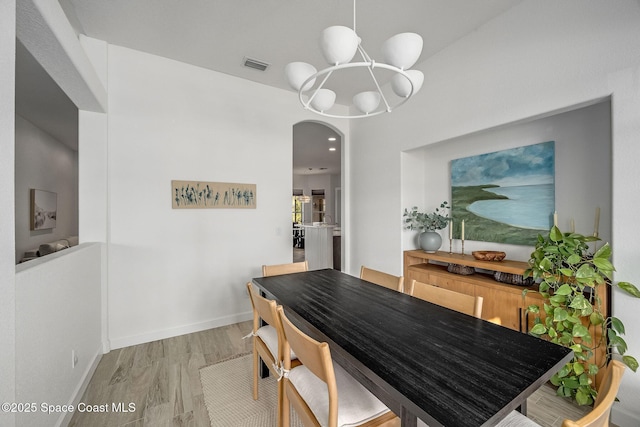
{"points": [[296, 206]]}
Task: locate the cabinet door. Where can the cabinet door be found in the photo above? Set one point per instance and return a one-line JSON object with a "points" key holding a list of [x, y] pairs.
{"points": [[503, 308], [529, 319], [442, 280]]}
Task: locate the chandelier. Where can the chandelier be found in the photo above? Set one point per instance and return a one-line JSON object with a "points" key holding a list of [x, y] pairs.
{"points": [[339, 44]]}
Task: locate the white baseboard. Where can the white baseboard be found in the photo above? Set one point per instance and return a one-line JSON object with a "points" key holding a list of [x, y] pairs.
{"points": [[180, 330], [65, 417]]}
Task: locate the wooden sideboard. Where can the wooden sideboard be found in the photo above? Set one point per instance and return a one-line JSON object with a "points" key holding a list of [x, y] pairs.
{"points": [[502, 303]]}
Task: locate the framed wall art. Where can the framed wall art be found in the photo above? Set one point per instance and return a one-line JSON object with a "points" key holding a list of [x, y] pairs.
{"points": [[212, 195], [506, 196], [44, 209]]}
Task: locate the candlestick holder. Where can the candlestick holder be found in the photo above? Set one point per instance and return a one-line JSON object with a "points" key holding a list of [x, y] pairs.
{"points": [[450, 242], [463, 247]]}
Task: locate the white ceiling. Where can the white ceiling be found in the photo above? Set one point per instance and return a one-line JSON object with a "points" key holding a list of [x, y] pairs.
{"points": [[219, 34], [41, 101], [311, 155]]}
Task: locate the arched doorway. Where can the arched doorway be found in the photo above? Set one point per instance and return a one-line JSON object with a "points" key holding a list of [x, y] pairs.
{"points": [[317, 187]]}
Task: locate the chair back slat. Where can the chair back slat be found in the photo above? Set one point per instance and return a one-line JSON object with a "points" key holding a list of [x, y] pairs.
{"points": [[457, 301], [279, 269], [315, 355], [383, 279], [262, 308], [599, 415]]}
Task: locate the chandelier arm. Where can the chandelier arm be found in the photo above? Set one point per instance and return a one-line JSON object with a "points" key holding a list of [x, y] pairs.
{"points": [[384, 99], [364, 54], [354, 65], [315, 91]]}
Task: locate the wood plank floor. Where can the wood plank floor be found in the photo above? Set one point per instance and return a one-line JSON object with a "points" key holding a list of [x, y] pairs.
{"points": [[162, 380]]}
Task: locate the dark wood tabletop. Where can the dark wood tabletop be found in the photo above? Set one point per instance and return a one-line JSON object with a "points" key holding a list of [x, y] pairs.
{"points": [[420, 359]]}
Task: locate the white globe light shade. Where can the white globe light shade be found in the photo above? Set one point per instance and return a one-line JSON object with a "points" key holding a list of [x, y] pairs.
{"points": [[367, 102], [401, 85], [402, 50], [323, 100], [296, 74], [338, 44]]}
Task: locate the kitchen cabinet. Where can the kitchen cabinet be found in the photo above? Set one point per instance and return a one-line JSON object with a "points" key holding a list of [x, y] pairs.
{"points": [[318, 246]]}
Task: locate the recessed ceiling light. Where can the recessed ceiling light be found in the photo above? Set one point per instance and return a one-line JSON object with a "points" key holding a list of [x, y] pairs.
{"points": [[333, 138], [332, 149]]}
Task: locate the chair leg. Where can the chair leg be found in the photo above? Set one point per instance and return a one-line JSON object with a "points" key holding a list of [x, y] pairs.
{"points": [[285, 408], [280, 403], [256, 368]]}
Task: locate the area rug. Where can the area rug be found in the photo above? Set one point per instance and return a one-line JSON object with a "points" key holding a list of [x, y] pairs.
{"points": [[228, 395]]}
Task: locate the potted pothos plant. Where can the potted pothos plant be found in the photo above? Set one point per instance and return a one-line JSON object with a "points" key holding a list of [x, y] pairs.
{"points": [[428, 223], [569, 276]]}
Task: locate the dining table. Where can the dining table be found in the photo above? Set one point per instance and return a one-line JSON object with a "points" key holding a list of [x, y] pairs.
{"points": [[422, 360]]}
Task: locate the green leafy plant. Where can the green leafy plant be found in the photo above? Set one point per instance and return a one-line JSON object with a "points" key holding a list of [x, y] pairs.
{"points": [[437, 220], [569, 275]]}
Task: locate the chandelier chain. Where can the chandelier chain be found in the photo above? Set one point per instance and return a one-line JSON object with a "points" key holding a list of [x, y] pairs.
{"points": [[354, 17]]}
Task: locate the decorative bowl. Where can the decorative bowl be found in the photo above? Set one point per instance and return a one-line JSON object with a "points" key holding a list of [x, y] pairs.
{"points": [[489, 255]]}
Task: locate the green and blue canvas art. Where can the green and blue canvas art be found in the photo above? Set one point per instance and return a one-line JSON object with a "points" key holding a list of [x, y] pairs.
{"points": [[506, 196]]}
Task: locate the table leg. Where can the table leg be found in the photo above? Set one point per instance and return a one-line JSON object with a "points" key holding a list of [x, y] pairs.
{"points": [[264, 370], [523, 408], [407, 419]]}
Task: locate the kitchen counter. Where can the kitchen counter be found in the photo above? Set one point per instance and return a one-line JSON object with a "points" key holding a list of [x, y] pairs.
{"points": [[318, 246]]}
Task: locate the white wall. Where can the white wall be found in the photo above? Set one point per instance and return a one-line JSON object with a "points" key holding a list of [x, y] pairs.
{"points": [[582, 137], [536, 58], [7, 213], [44, 163], [57, 311], [376, 187], [177, 271]]}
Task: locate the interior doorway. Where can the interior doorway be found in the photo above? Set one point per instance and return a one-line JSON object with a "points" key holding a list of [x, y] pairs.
{"points": [[316, 192]]}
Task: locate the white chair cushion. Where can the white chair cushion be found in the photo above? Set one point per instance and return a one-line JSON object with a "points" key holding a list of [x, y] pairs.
{"points": [[269, 335], [356, 405], [516, 419]]}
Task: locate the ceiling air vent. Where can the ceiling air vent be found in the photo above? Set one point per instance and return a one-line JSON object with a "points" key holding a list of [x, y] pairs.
{"points": [[255, 64]]}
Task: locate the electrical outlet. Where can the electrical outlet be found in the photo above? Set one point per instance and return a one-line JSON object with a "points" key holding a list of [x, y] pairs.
{"points": [[74, 358]]}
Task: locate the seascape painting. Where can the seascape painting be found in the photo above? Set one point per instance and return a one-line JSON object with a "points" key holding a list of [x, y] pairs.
{"points": [[212, 195], [44, 209], [506, 196]]}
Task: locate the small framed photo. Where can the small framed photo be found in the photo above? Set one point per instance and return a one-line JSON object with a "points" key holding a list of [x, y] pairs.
{"points": [[44, 209]]}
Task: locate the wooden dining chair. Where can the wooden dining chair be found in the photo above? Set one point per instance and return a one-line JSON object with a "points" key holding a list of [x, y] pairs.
{"points": [[457, 301], [268, 341], [321, 392], [597, 417], [278, 269], [383, 279]]}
